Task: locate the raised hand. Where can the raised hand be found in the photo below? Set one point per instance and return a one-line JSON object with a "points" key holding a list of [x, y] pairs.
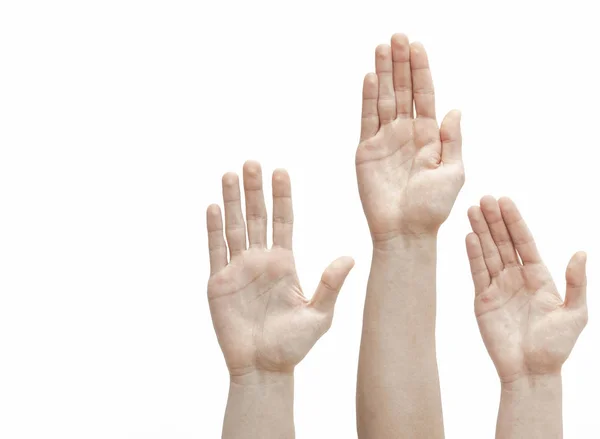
{"points": [[409, 173], [409, 170], [528, 329], [263, 321]]}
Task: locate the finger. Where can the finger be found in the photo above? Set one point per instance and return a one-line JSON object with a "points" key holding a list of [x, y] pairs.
{"points": [[422, 83], [490, 251], [256, 211], [519, 232], [235, 228], [217, 250], [386, 105], [451, 137], [370, 117], [479, 271], [576, 281], [402, 76], [283, 214], [331, 282], [498, 230]]}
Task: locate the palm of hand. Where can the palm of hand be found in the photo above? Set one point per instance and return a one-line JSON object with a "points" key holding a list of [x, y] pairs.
{"points": [[526, 326], [523, 322], [409, 170], [404, 187], [260, 314], [262, 320]]}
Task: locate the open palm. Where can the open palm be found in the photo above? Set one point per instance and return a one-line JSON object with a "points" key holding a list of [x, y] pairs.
{"points": [[525, 324], [260, 315], [409, 170]]}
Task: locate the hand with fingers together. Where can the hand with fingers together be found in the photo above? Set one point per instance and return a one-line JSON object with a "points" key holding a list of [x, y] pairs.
{"points": [[264, 323], [409, 169], [528, 329]]}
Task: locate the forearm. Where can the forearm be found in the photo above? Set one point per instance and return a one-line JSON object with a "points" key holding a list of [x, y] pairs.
{"points": [[261, 406], [398, 392], [531, 407]]}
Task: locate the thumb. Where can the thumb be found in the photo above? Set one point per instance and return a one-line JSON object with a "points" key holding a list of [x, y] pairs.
{"points": [[331, 282], [576, 281], [451, 138]]}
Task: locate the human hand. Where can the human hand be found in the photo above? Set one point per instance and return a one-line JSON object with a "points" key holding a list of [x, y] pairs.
{"points": [[526, 326], [409, 170], [262, 319]]}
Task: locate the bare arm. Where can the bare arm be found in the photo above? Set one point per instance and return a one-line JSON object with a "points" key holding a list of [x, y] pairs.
{"points": [[260, 406], [409, 172], [531, 407], [398, 384]]}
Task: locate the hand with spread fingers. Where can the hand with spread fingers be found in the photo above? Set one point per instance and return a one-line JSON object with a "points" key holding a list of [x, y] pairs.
{"points": [[264, 323], [409, 169], [528, 329]]}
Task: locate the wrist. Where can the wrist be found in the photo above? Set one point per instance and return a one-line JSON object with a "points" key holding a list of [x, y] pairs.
{"points": [[405, 242], [262, 378], [533, 383], [260, 404]]}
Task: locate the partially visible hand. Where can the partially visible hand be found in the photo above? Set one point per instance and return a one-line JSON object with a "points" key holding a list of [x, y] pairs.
{"points": [[409, 170], [261, 317], [526, 326]]}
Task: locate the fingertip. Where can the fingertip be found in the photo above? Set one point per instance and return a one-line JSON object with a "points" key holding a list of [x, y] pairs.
{"points": [[280, 175], [230, 179], [472, 239], [281, 184], [349, 262], [252, 167], [450, 127], [370, 87], [343, 263], [214, 220], [506, 204], [400, 39], [576, 278], [370, 79], [417, 48], [452, 117], [455, 115], [487, 202], [382, 51], [400, 47], [577, 264], [473, 245], [213, 211], [473, 212]]}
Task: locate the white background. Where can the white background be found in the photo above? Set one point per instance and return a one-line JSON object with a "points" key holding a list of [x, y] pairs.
{"points": [[117, 120]]}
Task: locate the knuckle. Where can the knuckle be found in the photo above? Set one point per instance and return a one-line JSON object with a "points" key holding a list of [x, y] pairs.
{"points": [[283, 220]]}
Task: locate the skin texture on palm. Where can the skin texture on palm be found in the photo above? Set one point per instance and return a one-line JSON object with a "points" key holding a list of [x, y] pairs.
{"points": [[528, 329], [264, 323], [409, 172]]}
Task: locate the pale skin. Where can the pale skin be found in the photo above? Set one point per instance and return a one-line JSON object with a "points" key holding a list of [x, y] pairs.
{"points": [[264, 323], [527, 327], [409, 172]]}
